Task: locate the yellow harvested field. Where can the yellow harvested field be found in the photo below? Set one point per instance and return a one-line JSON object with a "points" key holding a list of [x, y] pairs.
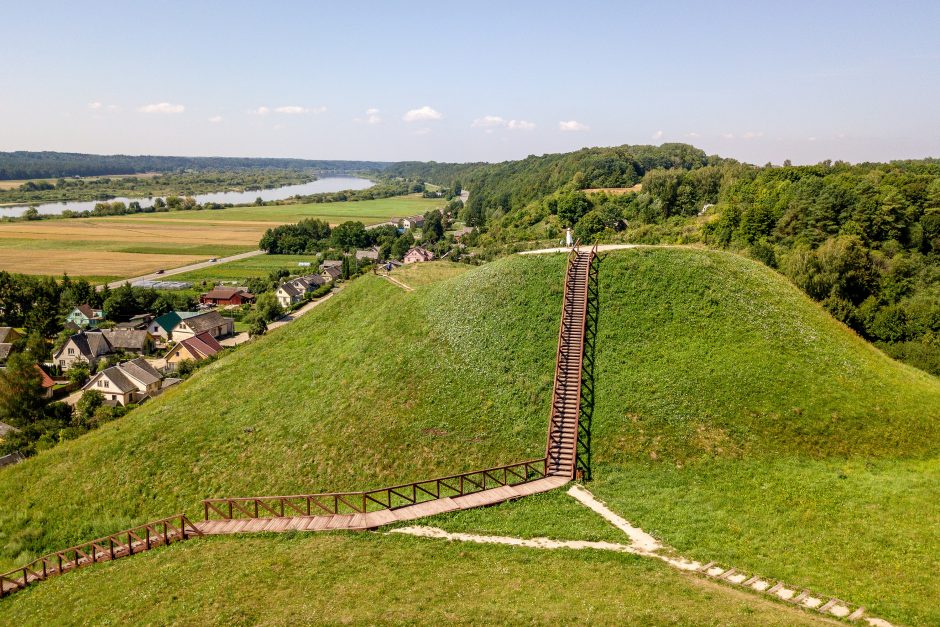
{"points": [[89, 263], [137, 231]]}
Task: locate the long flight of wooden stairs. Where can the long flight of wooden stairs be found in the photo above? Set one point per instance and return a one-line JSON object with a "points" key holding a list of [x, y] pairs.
{"points": [[373, 508]]}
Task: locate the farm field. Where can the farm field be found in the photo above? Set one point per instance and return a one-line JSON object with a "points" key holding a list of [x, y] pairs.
{"points": [[735, 420], [138, 244], [244, 269]]}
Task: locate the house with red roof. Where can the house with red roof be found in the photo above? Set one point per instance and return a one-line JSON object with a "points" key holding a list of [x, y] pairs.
{"points": [[196, 348]]}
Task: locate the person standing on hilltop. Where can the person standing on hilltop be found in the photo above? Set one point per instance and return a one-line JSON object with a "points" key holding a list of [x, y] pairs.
{"points": [[568, 240]]}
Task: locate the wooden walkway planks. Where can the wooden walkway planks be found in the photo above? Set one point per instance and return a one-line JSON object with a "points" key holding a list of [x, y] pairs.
{"points": [[373, 520]]}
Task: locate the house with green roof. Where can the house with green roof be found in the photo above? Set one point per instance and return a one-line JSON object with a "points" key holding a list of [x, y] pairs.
{"points": [[163, 326]]}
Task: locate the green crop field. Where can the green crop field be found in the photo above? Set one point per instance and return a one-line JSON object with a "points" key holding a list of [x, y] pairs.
{"points": [[735, 420], [253, 267]]}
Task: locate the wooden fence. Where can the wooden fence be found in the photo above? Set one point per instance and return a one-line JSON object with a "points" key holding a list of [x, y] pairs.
{"points": [[122, 544], [333, 503]]}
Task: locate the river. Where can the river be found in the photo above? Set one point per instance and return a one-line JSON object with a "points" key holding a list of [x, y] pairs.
{"points": [[326, 184]]}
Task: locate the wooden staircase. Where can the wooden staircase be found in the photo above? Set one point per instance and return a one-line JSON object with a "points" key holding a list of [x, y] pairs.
{"points": [[562, 444]]}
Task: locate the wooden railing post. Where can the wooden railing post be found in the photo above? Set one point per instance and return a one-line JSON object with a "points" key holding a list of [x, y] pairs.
{"points": [[205, 505], [111, 547]]}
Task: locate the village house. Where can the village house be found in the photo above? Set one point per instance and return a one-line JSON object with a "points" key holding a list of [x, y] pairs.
{"points": [[369, 254], [85, 317], [140, 322], [46, 381], [89, 347], [293, 291], [129, 341], [6, 349], [195, 348], [163, 326], [8, 335], [417, 255], [331, 273], [225, 296], [414, 222], [126, 383], [210, 321], [459, 234]]}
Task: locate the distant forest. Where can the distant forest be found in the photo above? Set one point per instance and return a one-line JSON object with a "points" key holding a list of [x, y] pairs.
{"points": [[39, 165]]}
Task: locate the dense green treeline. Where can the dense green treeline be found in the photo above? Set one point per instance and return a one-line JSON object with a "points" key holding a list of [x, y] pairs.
{"points": [[502, 188], [33, 165]]}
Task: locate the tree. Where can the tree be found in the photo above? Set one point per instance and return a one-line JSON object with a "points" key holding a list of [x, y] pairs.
{"points": [[433, 230], [122, 304], [402, 245], [350, 235], [257, 326], [79, 373], [349, 267], [87, 405], [267, 308], [22, 396], [571, 207]]}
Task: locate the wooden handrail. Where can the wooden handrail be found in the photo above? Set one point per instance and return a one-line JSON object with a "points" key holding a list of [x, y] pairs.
{"points": [[117, 545], [392, 497]]}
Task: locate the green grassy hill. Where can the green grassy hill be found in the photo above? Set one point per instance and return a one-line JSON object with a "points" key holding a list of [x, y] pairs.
{"points": [[734, 419]]}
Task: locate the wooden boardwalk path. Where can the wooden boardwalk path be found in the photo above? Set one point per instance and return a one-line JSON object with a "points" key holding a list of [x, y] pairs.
{"points": [[383, 506]]}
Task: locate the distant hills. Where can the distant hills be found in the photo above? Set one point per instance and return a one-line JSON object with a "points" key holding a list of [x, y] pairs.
{"points": [[33, 165]]}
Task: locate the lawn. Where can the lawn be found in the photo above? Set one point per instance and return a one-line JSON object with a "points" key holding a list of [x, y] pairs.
{"points": [[372, 578], [734, 419], [142, 243]]}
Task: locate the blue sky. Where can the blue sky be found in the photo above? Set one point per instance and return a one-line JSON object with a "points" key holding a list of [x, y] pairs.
{"points": [[757, 81]]}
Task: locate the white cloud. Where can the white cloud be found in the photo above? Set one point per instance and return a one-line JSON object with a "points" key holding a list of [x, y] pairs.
{"points": [[693, 135], [162, 107], [297, 110], [658, 135], [488, 121], [422, 114], [215, 119], [728, 135], [812, 139], [572, 126], [291, 110], [423, 131], [520, 125], [113, 108], [94, 106], [753, 135], [372, 117], [262, 110]]}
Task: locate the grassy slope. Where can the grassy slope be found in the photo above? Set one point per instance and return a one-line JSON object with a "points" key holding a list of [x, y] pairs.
{"points": [[383, 579], [709, 363]]}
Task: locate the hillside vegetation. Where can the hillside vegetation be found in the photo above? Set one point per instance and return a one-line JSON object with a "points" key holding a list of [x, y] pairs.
{"points": [[728, 408]]}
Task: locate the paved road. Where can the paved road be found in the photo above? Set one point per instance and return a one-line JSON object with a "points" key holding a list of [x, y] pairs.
{"points": [[193, 266]]}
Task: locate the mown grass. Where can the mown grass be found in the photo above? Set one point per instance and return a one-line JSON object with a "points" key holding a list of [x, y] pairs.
{"points": [[367, 211], [712, 372], [259, 266], [370, 578]]}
